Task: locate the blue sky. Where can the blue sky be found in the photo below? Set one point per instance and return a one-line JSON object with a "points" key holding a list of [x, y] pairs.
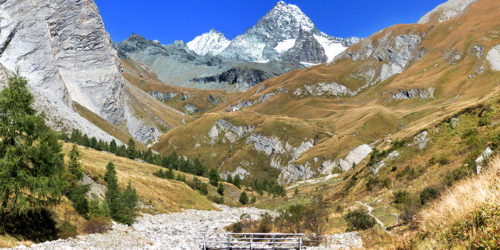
{"points": [[170, 20]]}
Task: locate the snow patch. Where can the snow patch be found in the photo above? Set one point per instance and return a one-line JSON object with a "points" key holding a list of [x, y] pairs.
{"points": [[332, 49], [285, 45]]}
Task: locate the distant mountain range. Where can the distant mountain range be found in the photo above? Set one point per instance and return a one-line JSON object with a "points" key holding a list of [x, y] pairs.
{"points": [[283, 40]]}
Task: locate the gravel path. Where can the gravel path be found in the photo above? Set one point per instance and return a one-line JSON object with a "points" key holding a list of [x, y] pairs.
{"points": [[182, 230]]}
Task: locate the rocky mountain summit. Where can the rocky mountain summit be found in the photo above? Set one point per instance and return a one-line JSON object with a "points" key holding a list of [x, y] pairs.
{"points": [[211, 43], [283, 40], [285, 28]]}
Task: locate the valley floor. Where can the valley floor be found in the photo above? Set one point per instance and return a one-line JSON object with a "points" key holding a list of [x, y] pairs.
{"points": [[183, 230]]}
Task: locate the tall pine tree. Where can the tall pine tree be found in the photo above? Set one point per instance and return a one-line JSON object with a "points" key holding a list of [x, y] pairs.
{"points": [[31, 162]]}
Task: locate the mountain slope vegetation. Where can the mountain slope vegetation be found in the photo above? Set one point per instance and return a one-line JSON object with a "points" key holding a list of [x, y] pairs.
{"points": [[387, 87]]}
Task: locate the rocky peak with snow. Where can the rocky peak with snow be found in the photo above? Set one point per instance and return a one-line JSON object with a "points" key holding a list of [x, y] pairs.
{"points": [[211, 43], [277, 32]]}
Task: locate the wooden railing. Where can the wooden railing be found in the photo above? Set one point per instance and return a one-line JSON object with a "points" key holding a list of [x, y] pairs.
{"points": [[253, 241]]}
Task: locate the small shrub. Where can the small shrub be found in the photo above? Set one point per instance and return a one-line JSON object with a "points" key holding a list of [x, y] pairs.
{"points": [[219, 199], [372, 181], [484, 121], [98, 208], [265, 224], [394, 168], [386, 182], [253, 200], [220, 189], [401, 197], [443, 159], [97, 225], [243, 198], [428, 194], [237, 227], [66, 230], [359, 220]]}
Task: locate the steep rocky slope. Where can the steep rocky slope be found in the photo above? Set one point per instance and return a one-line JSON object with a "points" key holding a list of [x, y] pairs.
{"points": [[67, 56], [64, 51], [388, 86]]}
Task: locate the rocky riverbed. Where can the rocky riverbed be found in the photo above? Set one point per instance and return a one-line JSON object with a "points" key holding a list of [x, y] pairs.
{"points": [[183, 230]]}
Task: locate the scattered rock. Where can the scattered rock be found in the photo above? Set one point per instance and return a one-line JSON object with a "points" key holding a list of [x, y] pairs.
{"points": [[328, 89], [354, 157], [493, 58], [454, 122], [414, 93], [480, 160], [420, 140]]}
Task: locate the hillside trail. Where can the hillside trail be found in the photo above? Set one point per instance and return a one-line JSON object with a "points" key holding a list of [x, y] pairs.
{"points": [[370, 209]]}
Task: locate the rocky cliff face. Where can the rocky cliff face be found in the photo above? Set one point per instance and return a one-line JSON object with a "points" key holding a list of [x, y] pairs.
{"points": [[62, 48], [64, 51]]}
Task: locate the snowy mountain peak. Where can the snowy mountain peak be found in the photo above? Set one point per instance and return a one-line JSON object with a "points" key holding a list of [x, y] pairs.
{"points": [[210, 43], [276, 36], [287, 16]]}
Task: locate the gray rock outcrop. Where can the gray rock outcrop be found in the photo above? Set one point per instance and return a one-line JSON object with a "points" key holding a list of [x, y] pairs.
{"points": [[65, 53], [414, 93], [493, 58], [446, 11]]}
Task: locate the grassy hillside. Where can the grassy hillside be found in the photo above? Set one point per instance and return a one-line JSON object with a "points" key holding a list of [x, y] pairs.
{"points": [[450, 59], [162, 194]]}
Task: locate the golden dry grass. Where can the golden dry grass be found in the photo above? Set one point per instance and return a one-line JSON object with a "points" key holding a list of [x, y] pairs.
{"points": [[164, 195], [462, 199]]}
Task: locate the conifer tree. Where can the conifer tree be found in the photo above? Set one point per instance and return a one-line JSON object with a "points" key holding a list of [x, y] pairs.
{"points": [[75, 190], [112, 190], [214, 177], [237, 181], [31, 162], [112, 146], [243, 198], [220, 189], [131, 152]]}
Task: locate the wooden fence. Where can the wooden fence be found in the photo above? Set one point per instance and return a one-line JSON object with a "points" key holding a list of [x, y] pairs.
{"points": [[253, 241]]}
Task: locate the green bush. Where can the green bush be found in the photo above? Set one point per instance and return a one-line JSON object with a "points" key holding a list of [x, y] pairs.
{"points": [[428, 194], [386, 182], [66, 230], [401, 197], [97, 225], [372, 181], [243, 198], [359, 220], [98, 209], [265, 224], [79, 199], [220, 189]]}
